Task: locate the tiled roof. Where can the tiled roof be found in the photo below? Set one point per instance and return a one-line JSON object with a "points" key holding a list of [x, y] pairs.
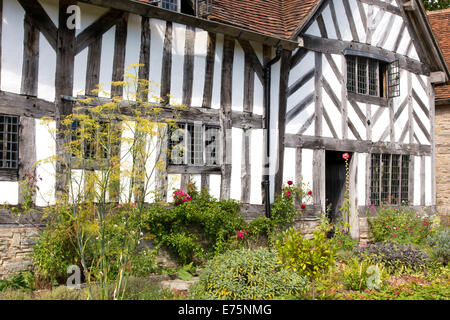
{"points": [[440, 23], [278, 18]]}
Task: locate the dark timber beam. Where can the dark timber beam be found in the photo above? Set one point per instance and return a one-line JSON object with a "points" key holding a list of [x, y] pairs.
{"points": [[311, 142], [40, 19], [23, 105], [332, 46]]}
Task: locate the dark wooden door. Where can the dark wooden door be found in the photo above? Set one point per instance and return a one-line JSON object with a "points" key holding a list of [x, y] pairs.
{"points": [[335, 181]]}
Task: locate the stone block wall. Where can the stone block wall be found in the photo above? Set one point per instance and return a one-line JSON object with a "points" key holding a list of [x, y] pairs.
{"points": [[16, 245], [442, 134]]}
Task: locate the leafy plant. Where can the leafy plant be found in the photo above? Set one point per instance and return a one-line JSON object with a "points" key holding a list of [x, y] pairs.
{"points": [[395, 257], [308, 257], [247, 274], [400, 224], [360, 274], [22, 280], [440, 243]]}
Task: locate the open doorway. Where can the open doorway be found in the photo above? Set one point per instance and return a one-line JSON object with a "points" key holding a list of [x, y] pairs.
{"points": [[335, 182]]}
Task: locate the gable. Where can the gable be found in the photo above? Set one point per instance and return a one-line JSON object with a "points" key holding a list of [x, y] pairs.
{"points": [[380, 24]]}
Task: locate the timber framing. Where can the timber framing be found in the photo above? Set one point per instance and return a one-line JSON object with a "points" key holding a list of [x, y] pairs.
{"points": [[146, 10], [332, 46], [311, 142]]}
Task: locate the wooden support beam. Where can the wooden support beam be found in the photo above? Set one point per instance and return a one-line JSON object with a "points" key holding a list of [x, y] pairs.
{"points": [[252, 59], [188, 69], [93, 67], [166, 63], [144, 55], [30, 65], [282, 106], [28, 106], [338, 46], [245, 167], [40, 19], [119, 55], [362, 146], [209, 70], [97, 29], [225, 115]]}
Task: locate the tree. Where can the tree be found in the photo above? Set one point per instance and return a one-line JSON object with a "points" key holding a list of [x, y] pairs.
{"points": [[436, 4]]}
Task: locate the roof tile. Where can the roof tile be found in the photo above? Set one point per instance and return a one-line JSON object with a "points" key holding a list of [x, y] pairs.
{"points": [[440, 23]]}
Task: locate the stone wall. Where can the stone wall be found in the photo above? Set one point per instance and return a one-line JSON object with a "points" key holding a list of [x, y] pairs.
{"points": [[16, 245], [442, 134]]}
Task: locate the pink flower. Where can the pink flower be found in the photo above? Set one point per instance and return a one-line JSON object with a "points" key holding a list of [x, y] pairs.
{"points": [[363, 244], [119, 206], [343, 230], [394, 234], [290, 182], [346, 156], [310, 192], [288, 194], [388, 227], [132, 205], [303, 206], [424, 223]]}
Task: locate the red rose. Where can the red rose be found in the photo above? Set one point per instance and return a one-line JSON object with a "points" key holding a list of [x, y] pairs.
{"points": [[290, 182], [346, 156], [303, 206], [288, 194], [310, 192]]}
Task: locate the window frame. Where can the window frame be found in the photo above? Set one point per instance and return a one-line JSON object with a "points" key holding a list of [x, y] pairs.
{"points": [[178, 4], [387, 82], [186, 159], [381, 187], [9, 141]]}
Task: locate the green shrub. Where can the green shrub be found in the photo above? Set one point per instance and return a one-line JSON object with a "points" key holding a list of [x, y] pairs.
{"points": [[15, 294], [400, 224], [359, 275], [204, 224], [247, 274], [440, 243], [54, 252], [397, 258], [144, 262], [22, 280], [308, 257]]}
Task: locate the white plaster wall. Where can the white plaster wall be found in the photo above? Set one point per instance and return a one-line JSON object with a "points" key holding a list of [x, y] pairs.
{"points": [[256, 165], [12, 46], [45, 170], [200, 51]]}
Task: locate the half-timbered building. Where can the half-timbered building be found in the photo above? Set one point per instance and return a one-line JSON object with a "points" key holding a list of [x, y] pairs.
{"points": [[281, 89]]}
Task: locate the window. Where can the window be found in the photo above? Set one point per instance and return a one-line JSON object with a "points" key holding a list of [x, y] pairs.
{"points": [[9, 142], [372, 77], [170, 5], [194, 144], [389, 178], [94, 142]]}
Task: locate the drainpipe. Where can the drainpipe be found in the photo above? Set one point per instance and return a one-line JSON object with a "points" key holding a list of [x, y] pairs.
{"points": [[267, 86]]}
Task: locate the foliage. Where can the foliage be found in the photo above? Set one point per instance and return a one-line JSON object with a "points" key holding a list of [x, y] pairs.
{"points": [[144, 262], [440, 243], [308, 257], [22, 280], [289, 204], [54, 251], [412, 290], [247, 274], [196, 229], [360, 274], [395, 257], [401, 225], [436, 4]]}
